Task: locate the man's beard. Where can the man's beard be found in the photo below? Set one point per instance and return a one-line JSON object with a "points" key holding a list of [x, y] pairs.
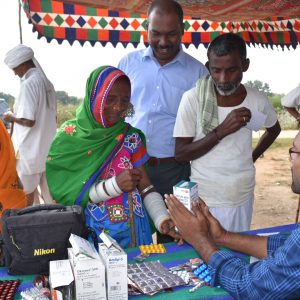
{"points": [[227, 89]]}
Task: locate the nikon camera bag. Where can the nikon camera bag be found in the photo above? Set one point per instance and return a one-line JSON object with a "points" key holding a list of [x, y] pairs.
{"points": [[35, 235]]}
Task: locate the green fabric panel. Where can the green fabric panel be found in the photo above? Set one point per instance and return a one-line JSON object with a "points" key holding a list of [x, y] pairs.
{"points": [[280, 37], [91, 11], [184, 294], [93, 34], [46, 6], [135, 36], [48, 31], [135, 16], [213, 35]]}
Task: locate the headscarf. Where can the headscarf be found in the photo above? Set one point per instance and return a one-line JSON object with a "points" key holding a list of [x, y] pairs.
{"points": [[11, 196], [83, 144], [21, 54]]}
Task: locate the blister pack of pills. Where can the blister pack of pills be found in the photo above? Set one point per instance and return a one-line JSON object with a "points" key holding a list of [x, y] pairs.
{"points": [[36, 294], [151, 277], [8, 289], [203, 273], [185, 271], [183, 274], [141, 257], [153, 248]]}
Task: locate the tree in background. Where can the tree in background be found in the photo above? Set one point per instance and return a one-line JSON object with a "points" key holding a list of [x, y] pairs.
{"points": [[8, 98], [261, 86], [65, 99], [61, 96], [66, 105]]}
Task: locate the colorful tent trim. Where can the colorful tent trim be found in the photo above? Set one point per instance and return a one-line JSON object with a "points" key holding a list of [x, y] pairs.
{"points": [[74, 22]]}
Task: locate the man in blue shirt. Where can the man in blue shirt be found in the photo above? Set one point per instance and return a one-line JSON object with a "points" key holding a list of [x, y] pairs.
{"points": [[3, 109], [276, 276], [159, 75]]}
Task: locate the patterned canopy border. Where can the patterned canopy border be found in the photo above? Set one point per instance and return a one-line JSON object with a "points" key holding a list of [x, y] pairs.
{"points": [[73, 22]]}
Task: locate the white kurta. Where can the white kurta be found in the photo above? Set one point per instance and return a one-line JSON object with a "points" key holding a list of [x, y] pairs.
{"points": [[292, 99], [226, 174], [32, 143]]}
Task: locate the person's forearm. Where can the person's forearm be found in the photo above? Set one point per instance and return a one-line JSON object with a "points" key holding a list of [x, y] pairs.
{"points": [[23, 122], [293, 111], [205, 247], [266, 141], [272, 277], [253, 245], [185, 152], [10, 117]]}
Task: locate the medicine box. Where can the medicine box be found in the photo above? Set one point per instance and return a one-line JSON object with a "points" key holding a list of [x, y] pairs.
{"points": [[186, 192], [115, 259], [61, 280], [89, 273]]}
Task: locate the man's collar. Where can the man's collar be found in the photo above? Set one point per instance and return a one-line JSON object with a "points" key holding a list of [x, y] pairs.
{"points": [[25, 76], [148, 53]]}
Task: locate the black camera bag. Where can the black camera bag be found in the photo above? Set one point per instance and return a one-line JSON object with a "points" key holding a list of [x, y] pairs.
{"points": [[35, 235]]}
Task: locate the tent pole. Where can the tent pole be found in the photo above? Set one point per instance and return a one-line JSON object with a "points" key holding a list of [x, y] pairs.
{"points": [[20, 23], [131, 218]]}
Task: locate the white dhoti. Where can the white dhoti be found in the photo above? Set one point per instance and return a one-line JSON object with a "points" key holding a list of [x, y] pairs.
{"points": [[37, 184], [235, 219]]}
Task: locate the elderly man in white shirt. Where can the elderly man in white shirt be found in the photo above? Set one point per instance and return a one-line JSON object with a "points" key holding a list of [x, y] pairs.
{"points": [[34, 119], [211, 132]]}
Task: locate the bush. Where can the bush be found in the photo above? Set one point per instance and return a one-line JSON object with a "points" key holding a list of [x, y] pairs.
{"points": [[65, 112], [286, 120], [276, 100]]}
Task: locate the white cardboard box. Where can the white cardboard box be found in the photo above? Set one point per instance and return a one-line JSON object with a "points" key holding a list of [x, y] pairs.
{"points": [[89, 276], [186, 192], [115, 260], [61, 279]]}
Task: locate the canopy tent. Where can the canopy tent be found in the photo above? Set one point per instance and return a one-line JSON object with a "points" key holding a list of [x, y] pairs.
{"points": [[264, 22]]}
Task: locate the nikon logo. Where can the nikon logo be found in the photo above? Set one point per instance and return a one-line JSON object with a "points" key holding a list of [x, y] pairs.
{"points": [[38, 252]]}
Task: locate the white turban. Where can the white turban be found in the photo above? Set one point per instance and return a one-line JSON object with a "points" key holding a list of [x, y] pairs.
{"points": [[21, 54], [18, 55]]}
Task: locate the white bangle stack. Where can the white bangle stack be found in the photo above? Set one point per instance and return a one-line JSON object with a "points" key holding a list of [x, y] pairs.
{"points": [[112, 187], [104, 190]]}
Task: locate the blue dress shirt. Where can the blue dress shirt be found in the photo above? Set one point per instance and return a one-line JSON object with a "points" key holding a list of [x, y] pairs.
{"points": [[156, 92], [4, 108], [275, 277]]}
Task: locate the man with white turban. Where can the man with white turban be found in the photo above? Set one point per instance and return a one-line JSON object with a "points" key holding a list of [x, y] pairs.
{"points": [[34, 120]]}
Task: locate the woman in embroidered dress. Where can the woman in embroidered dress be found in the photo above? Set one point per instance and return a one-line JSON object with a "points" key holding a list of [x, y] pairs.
{"points": [[97, 160]]}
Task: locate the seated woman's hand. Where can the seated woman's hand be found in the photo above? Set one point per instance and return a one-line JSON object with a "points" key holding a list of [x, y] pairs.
{"points": [[168, 227], [129, 179]]}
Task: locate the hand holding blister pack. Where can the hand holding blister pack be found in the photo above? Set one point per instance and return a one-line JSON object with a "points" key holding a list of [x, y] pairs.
{"points": [[257, 120]]}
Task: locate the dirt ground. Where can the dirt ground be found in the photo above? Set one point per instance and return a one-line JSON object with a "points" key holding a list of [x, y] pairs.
{"points": [[275, 203]]}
